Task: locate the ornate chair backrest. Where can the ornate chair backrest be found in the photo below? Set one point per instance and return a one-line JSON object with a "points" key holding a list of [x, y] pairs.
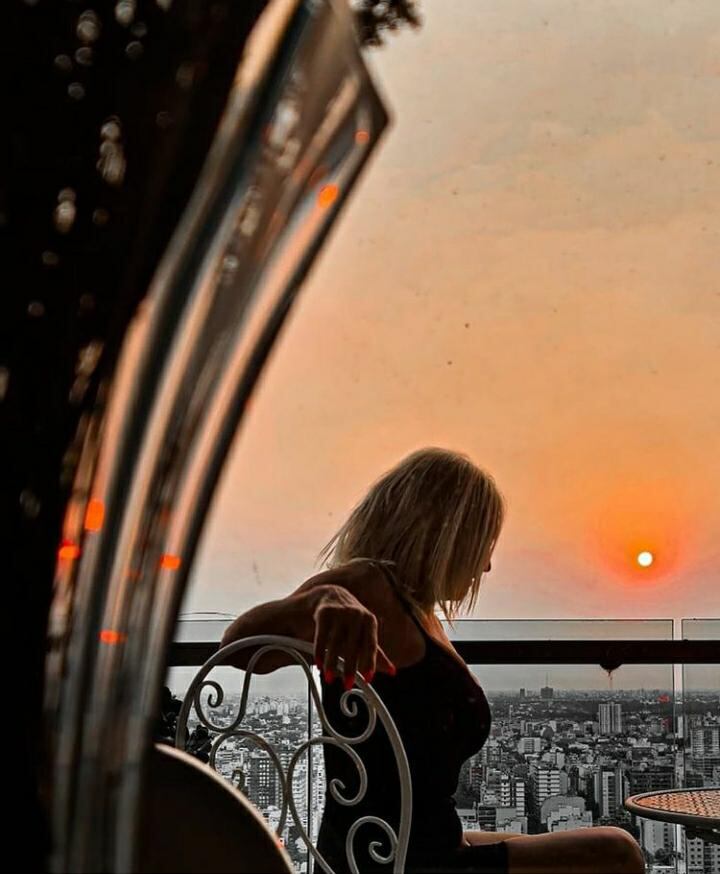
{"points": [[361, 703]]}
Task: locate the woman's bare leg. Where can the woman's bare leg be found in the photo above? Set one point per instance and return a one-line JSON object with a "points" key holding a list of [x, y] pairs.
{"points": [[600, 850], [475, 839]]}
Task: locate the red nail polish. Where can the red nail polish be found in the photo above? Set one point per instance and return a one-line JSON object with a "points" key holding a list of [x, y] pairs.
{"points": [[349, 682], [368, 676], [392, 670], [329, 675]]}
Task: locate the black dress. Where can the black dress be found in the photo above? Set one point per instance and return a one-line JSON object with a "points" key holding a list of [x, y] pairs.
{"points": [[443, 718]]}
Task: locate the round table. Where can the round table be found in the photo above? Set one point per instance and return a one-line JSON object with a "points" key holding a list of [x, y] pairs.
{"points": [[697, 809]]}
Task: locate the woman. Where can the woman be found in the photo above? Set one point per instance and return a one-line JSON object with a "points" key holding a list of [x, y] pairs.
{"points": [[419, 542]]}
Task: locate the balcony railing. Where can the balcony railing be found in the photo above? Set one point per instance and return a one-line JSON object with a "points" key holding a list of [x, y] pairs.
{"points": [[585, 712]]}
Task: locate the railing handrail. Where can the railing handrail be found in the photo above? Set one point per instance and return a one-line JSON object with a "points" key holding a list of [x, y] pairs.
{"points": [[608, 654]]}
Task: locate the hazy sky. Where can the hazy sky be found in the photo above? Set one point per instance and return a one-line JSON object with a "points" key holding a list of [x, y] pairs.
{"points": [[528, 272]]}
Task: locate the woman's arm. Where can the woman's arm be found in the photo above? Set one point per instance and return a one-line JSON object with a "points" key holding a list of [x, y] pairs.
{"points": [[292, 617], [323, 613]]}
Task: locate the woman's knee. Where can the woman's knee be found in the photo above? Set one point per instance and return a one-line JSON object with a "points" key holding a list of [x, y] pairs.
{"points": [[622, 849]]}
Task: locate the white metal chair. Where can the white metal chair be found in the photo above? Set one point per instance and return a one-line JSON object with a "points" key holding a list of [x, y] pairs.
{"points": [[361, 703]]}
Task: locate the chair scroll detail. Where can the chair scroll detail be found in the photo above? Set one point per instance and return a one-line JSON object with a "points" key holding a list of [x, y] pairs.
{"points": [[205, 695]]}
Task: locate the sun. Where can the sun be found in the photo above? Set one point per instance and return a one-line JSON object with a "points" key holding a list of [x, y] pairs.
{"points": [[645, 558]]}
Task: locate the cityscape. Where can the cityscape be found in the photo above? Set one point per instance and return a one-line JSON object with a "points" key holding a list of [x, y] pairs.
{"points": [[555, 760]]}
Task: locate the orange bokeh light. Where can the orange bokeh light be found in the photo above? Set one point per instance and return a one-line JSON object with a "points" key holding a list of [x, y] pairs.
{"points": [[112, 637], [94, 515], [68, 551], [327, 195], [170, 562], [362, 137]]}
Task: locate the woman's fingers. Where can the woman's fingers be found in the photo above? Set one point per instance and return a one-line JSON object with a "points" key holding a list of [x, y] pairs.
{"points": [[352, 636], [333, 651], [366, 649], [351, 652], [321, 636]]}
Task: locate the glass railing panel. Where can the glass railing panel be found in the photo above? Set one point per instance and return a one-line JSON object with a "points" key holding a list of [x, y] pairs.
{"points": [[701, 629], [561, 629], [701, 738], [202, 627], [570, 742]]}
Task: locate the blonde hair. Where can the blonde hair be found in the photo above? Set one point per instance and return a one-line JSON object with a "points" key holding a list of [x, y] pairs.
{"points": [[435, 517]]}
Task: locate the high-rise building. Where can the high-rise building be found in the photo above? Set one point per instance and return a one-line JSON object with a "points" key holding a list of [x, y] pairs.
{"points": [[475, 779], [262, 781], [486, 818], [512, 793], [547, 692], [545, 782], [702, 857], [573, 780], [705, 751], [610, 789], [649, 779], [655, 836], [705, 741], [610, 718]]}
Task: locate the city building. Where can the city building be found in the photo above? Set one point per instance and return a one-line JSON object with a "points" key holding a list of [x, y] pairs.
{"points": [[508, 820], [262, 781], [545, 782], [486, 817], [610, 790], [656, 837], [520, 782], [649, 778], [705, 751], [528, 745], [512, 793], [610, 718], [564, 812], [702, 857]]}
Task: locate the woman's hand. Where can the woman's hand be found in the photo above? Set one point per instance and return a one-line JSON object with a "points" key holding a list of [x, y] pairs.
{"points": [[346, 629]]}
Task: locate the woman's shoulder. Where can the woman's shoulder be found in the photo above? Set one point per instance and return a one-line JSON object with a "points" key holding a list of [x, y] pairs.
{"points": [[398, 632], [361, 577]]}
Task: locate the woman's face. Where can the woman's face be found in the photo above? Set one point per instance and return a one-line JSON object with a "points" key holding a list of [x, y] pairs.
{"points": [[465, 585], [488, 563]]}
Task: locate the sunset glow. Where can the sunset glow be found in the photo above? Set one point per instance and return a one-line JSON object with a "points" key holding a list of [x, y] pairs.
{"points": [[524, 278]]}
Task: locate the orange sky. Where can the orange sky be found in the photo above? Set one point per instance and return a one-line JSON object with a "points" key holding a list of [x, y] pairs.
{"points": [[528, 272]]}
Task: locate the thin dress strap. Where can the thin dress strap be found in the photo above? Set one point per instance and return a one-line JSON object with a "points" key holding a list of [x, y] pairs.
{"points": [[402, 597]]}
